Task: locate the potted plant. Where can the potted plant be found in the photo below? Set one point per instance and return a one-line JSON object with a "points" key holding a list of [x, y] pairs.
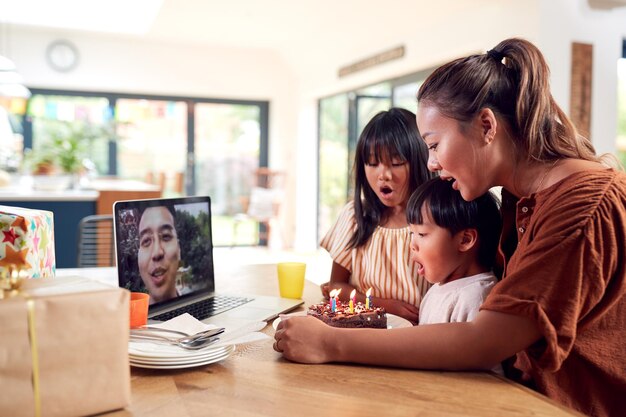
{"points": [[45, 165], [65, 152]]}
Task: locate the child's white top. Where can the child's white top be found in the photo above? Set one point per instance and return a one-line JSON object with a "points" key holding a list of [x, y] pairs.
{"points": [[383, 263], [456, 301]]}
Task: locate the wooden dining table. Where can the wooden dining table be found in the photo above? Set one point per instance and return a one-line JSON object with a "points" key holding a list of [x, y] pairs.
{"points": [[257, 381]]}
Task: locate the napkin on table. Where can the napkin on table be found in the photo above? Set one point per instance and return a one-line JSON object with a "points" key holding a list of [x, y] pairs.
{"points": [[186, 323]]}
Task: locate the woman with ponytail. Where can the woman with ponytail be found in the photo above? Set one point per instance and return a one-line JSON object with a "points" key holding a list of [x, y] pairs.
{"points": [[559, 312]]}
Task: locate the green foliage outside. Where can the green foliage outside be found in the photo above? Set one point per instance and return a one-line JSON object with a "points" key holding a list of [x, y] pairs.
{"points": [[194, 255], [67, 144], [333, 159]]}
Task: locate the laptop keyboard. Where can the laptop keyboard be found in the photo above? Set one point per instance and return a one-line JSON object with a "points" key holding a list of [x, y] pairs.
{"points": [[205, 308]]}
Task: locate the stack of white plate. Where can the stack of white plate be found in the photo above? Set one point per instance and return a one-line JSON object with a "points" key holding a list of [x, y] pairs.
{"points": [[157, 356]]}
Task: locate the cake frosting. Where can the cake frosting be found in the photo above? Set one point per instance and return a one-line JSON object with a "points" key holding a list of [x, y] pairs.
{"points": [[362, 317]]}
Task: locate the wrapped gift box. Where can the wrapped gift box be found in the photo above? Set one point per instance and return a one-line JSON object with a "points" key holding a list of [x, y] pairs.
{"points": [[27, 240], [64, 348]]}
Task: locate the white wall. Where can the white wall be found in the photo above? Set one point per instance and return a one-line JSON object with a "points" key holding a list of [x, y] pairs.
{"points": [[567, 21]]}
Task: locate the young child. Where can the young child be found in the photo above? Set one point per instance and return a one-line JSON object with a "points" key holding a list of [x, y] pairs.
{"points": [[454, 243], [369, 243]]}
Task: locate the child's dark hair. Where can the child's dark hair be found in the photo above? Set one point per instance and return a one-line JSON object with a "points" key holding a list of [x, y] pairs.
{"points": [[388, 135], [448, 210]]}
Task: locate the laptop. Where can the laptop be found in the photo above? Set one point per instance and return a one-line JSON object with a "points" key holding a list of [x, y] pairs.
{"points": [[164, 247]]}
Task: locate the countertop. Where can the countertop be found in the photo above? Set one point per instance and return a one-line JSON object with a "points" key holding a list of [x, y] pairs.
{"points": [[25, 189]]}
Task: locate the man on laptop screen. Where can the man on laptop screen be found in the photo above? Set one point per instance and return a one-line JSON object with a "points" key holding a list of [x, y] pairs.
{"points": [[156, 260], [158, 257], [164, 247]]}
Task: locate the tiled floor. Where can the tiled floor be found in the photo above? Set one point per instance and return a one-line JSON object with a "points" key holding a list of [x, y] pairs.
{"points": [[318, 262]]}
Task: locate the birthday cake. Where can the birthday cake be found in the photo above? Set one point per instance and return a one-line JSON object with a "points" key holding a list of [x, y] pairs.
{"points": [[361, 317]]}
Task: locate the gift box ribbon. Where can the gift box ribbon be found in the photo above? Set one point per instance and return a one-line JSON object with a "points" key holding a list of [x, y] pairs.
{"points": [[11, 281], [32, 334]]}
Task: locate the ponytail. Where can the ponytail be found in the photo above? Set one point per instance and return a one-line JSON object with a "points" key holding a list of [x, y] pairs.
{"points": [[512, 80]]}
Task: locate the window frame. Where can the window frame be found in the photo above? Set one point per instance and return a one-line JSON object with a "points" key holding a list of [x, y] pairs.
{"points": [[112, 97]]}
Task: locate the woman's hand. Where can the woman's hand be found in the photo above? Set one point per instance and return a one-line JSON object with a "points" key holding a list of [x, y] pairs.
{"points": [[399, 308], [304, 340]]}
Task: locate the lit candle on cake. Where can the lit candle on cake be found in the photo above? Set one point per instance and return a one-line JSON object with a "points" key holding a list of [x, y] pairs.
{"points": [[337, 299], [368, 298], [334, 295], [333, 300], [352, 300]]}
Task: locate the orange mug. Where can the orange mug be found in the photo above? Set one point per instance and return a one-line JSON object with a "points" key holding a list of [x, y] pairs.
{"points": [[139, 302]]}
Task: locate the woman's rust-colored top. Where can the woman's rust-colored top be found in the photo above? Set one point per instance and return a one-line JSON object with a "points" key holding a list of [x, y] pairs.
{"points": [[564, 252]]}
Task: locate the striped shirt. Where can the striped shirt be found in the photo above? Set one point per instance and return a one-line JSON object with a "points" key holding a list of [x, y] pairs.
{"points": [[383, 263]]}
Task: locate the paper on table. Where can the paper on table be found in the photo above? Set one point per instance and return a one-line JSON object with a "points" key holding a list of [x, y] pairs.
{"points": [[186, 323], [248, 333]]}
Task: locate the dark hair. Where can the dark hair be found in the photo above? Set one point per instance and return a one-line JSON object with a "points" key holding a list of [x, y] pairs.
{"points": [[448, 210], [169, 208], [390, 134], [512, 80]]}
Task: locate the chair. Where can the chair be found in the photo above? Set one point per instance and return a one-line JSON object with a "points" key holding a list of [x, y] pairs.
{"points": [[160, 179], [156, 178], [179, 183], [263, 203], [96, 242]]}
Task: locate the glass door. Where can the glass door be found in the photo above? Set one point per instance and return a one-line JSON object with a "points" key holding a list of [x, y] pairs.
{"points": [[342, 118], [152, 144], [334, 165], [227, 152]]}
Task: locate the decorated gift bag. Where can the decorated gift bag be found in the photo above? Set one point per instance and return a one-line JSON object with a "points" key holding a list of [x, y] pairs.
{"points": [[27, 241]]}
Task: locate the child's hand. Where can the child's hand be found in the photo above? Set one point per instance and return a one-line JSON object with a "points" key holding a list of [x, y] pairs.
{"points": [[325, 287], [399, 308]]}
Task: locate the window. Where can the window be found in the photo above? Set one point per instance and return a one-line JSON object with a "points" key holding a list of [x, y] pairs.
{"points": [[75, 120], [188, 146], [152, 141], [334, 164], [227, 151]]}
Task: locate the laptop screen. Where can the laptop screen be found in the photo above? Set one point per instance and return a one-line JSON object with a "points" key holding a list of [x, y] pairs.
{"points": [[164, 247]]}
